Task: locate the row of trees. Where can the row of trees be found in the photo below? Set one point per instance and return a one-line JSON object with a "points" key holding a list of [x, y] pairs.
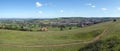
{"points": [[32, 27]]}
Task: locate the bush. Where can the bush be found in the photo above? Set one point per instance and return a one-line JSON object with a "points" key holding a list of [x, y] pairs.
{"points": [[111, 44]]}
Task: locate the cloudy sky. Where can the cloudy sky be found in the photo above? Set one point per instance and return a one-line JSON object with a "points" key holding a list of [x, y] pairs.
{"points": [[59, 8]]}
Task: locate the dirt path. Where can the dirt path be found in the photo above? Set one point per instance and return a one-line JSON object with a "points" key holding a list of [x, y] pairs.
{"points": [[65, 44], [75, 43]]}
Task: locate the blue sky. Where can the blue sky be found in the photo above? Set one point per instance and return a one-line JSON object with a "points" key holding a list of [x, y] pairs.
{"points": [[59, 8]]}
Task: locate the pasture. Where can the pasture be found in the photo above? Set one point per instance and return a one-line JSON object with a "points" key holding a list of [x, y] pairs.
{"points": [[11, 40]]}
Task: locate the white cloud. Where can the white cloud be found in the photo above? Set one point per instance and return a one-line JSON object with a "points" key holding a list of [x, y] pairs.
{"points": [[93, 6], [104, 9], [38, 4], [118, 8], [40, 12], [61, 11], [89, 4]]}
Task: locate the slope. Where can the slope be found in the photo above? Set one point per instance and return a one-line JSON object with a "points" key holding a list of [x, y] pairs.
{"points": [[19, 38], [109, 42]]}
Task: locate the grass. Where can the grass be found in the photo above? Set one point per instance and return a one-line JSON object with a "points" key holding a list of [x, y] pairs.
{"points": [[64, 48], [58, 28], [55, 37], [114, 31], [109, 42], [51, 37]]}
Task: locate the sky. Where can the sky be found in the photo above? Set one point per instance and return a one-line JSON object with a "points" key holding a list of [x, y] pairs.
{"points": [[59, 8]]}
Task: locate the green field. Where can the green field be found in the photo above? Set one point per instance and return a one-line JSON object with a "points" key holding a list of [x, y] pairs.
{"points": [[11, 40]]}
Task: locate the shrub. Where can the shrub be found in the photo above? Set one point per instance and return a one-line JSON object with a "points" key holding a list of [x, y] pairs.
{"points": [[111, 44]]}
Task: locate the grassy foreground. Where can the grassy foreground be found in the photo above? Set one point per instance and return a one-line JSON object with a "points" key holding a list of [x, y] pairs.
{"points": [[109, 42], [55, 37]]}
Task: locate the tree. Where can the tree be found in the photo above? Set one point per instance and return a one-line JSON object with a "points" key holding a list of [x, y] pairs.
{"points": [[114, 20], [70, 27], [61, 27]]}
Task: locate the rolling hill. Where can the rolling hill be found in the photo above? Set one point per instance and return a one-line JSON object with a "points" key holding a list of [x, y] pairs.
{"points": [[69, 40]]}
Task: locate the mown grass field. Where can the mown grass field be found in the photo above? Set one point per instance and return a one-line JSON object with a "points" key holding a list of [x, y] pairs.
{"points": [[55, 37]]}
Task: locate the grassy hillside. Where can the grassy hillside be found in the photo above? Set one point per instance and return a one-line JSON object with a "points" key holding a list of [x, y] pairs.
{"points": [[109, 42], [9, 38]]}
